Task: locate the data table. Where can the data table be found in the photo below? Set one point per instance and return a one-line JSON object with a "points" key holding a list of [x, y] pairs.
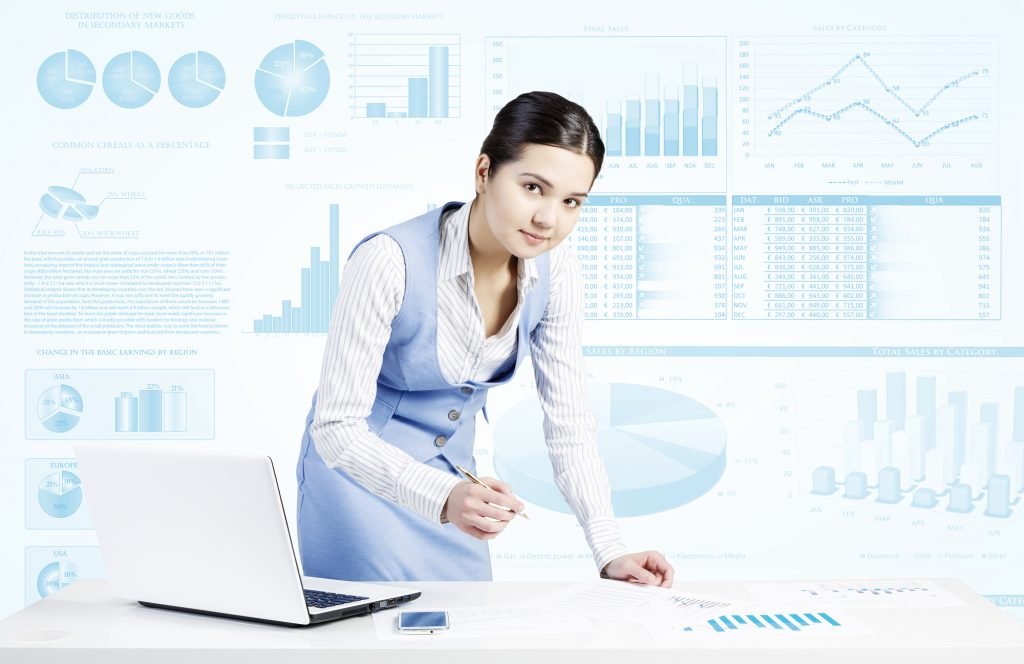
{"points": [[659, 257], [855, 257]]}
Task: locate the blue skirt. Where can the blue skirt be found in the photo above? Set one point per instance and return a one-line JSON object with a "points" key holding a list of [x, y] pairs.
{"points": [[347, 532]]}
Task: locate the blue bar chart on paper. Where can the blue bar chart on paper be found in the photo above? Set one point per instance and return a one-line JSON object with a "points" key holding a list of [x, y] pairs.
{"points": [[767, 624], [406, 76], [119, 404], [319, 290], [655, 100], [867, 114]]}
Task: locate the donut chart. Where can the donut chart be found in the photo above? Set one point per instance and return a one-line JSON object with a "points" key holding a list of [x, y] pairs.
{"points": [[661, 449]]}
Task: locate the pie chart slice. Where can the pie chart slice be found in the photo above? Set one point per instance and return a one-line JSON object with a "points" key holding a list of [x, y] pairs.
{"points": [[60, 494], [196, 79], [66, 79], [59, 408], [131, 79], [293, 79], [661, 449]]}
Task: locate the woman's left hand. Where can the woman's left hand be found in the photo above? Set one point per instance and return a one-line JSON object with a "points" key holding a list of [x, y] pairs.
{"points": [[649, 567]]}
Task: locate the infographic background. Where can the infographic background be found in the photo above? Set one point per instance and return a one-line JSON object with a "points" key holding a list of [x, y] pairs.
{"points": [[801, 255]]}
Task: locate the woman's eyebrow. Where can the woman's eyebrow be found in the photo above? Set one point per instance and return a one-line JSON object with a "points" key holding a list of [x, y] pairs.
{"points": [[548, 184]]}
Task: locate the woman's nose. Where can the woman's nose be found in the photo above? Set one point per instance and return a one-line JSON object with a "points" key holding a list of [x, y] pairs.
{"points": [[544, 216]]}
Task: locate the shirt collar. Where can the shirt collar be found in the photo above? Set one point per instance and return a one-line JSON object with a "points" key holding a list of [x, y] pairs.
{"points": [[455, 249], [455, 245]]}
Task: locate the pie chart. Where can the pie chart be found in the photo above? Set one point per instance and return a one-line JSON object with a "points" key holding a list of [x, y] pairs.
{"points": [[661, 449], [66, 79], [293, 79], [196, 79], [131, 79], [60, 494], [56, 576], [60, 408]]}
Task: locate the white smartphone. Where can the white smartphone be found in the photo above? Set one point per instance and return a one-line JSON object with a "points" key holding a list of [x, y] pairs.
{"points": [[422, 622]]}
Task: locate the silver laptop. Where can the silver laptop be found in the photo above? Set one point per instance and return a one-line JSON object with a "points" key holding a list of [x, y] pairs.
{"points": [[205, 531]]}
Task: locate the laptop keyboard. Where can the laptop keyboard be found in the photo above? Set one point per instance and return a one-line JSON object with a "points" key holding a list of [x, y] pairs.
{"points": [[319, 599]]}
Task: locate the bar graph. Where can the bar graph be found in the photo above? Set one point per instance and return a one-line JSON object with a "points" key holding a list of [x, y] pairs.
{"points": [[319, 290], [655, 100], [152, 409], [950, 456], [652, 125], [777, 622], [785, 622], [406, 76]]}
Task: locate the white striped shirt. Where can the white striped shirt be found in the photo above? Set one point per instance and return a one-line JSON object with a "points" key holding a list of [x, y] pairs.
{"points": [[370, 297]]}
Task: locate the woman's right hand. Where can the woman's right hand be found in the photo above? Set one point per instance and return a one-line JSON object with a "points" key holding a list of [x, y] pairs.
{"points": [[481, 512]]}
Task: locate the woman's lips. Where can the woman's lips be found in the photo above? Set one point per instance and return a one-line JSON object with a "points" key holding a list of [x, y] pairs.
{"points": [[533, 239]]}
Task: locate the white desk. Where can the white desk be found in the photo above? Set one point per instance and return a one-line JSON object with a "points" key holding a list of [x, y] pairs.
{"points": [[84, 623]]}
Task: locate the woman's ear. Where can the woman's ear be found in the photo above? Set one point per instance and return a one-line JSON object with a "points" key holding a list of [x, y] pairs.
{"points": [[483, 165]]}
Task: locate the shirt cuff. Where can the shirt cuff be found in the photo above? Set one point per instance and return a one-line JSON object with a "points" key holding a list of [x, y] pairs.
{"points": [[605, 540], [425, 490]]}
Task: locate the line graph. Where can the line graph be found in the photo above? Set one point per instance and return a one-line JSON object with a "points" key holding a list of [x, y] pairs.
{"points": [[867, 112], [892, 91]]}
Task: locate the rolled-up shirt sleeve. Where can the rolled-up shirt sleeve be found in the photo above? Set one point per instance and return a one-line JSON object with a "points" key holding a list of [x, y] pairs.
{"points": [[570, 429], [370, 296]]}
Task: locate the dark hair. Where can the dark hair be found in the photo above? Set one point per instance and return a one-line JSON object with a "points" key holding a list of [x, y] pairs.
{"points": [[543, 118]]}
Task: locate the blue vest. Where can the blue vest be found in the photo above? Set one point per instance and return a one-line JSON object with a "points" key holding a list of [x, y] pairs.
{"points": [[347, 532]]}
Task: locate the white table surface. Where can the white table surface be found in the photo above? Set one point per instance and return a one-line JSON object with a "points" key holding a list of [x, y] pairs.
{"points": [[85, 623]]}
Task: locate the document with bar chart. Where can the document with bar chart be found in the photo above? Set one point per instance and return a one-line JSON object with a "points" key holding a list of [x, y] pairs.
{"points": [[759, 623]]}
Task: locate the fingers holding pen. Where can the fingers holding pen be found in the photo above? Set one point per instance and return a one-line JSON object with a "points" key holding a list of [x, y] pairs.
{"points": [[480, 511]]}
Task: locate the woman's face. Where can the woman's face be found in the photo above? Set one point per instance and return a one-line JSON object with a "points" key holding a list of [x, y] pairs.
{"points": [[532, 204]]}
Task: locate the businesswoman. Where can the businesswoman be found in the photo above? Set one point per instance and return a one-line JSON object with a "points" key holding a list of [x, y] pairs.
{"points": [[431, 314]]}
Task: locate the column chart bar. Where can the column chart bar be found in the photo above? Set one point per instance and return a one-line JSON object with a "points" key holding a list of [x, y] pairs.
{"points": [[438, 81]]}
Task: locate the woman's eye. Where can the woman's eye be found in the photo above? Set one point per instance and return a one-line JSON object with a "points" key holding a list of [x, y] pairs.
{"points": [[572, 202], [531, 187]]}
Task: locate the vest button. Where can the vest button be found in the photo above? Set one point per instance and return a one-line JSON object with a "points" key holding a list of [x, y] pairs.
{"points": [[453, 415], [467, 390], [440, 441]]}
